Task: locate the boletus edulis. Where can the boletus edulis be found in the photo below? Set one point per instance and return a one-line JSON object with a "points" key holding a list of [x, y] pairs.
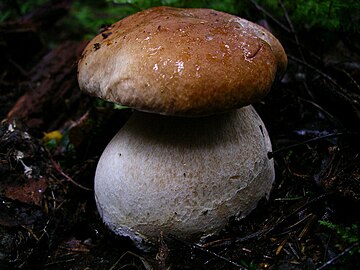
{"points": [[194, 152]]}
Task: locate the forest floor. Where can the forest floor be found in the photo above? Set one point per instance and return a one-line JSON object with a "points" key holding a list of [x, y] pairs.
{"points": [[52, 135]]}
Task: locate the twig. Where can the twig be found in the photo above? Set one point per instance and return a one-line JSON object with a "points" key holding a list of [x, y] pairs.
{"points": [[282, 220], [143, 261], [328, 136], [291, 227], [348, 75], [281, 246], [299, 61], [339, 256], [253, 235], [324, 75], [328, 114], [216, 242], [163, 253], [270, 16], [22, 71], [307, 227], [299, 209], [292, 29], [57, 167], [209, 252]]}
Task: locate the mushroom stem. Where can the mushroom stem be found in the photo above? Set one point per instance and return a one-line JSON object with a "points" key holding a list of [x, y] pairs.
{"points": [[184, 176]]}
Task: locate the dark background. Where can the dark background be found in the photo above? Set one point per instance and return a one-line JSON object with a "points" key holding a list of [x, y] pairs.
{"points": [[52, 135]]}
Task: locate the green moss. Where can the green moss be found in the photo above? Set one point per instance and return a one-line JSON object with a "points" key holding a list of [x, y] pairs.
{"points": [[225, 5], [348, 234], [334, 15], [11, 10], [88, 16]]}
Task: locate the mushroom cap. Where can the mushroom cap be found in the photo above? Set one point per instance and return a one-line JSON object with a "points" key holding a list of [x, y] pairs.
{"points": [[187, 62], [184, 176]]}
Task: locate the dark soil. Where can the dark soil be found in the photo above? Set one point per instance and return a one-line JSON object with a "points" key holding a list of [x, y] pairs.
{"points": [[52, 135]]}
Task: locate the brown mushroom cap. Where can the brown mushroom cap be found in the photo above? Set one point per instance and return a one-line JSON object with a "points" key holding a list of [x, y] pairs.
{"points": [[186, 62]]}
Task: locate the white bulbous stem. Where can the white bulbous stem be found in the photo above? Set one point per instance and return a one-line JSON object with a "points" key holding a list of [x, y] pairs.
{"points": [[184, 176]]}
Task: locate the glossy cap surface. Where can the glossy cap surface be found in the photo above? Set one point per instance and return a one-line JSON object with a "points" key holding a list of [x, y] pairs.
{"points": [[188, 62]]}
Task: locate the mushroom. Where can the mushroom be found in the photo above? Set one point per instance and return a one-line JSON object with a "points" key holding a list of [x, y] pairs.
{"points": [[194, 152]]}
